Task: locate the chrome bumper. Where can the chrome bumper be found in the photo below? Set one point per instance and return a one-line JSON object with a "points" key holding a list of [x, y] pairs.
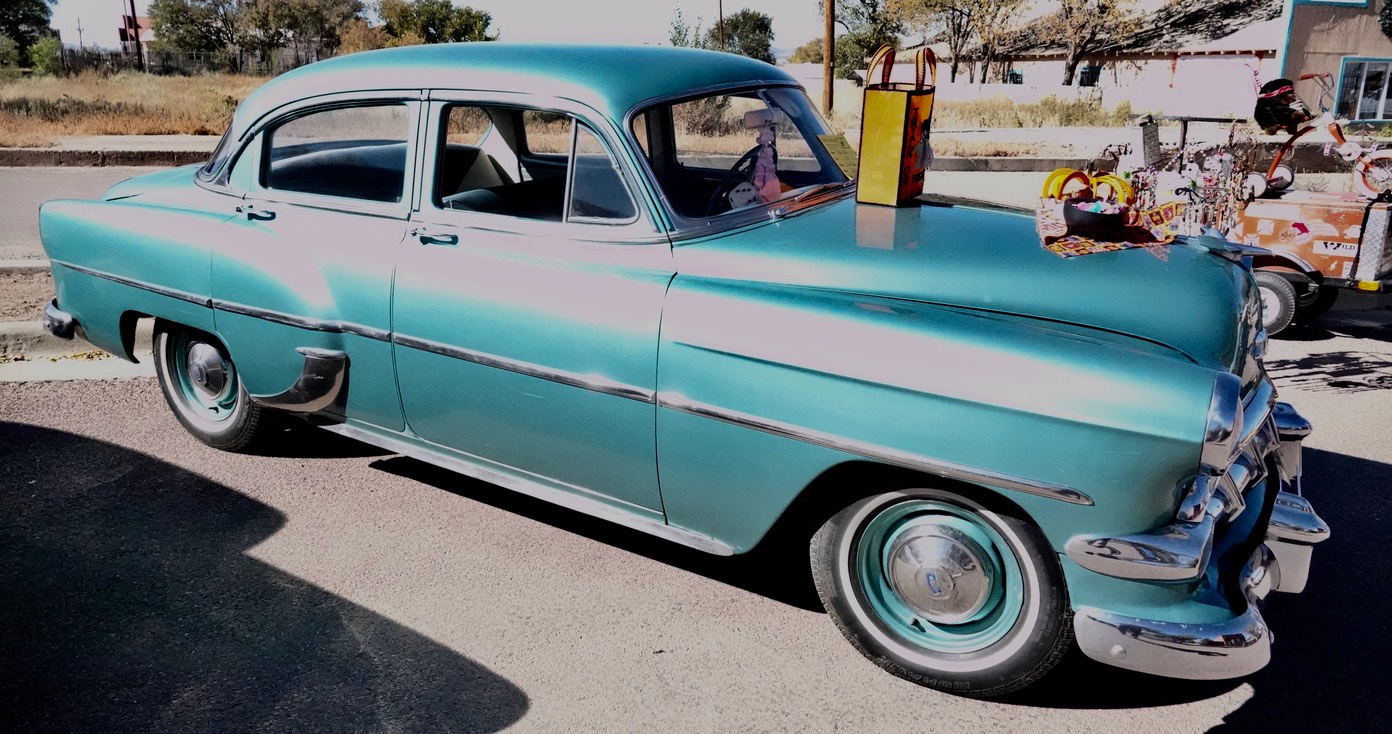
{"points": [[1228, 649], [58, 322], [1180, 552]]}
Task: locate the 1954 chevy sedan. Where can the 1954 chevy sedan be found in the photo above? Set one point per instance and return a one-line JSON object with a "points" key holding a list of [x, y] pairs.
{"points": [[633, 282]]}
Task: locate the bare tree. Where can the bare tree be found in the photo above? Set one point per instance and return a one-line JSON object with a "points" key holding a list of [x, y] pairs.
{"points": [[945, 21], [1083, 26]]}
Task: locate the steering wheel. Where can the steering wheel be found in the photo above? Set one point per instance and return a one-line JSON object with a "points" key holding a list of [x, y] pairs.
{"points": [[733, 178]]}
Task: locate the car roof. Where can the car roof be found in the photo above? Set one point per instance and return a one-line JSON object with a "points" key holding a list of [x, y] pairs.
{"points": [[611, 79]]}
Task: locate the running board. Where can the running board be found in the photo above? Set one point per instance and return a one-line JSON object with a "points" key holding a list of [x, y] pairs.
{"points": [[568, 500]]}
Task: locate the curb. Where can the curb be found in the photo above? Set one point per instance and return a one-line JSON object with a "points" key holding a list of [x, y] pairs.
{"points": [[30, 340], [30, 157], [37, 265]]}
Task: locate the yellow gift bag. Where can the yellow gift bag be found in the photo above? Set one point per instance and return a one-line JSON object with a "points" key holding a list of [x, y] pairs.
{"points": [[894, 123]]}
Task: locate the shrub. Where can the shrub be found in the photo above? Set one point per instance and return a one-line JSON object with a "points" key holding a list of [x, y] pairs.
{"points": [[9, 51], [46, 56]]}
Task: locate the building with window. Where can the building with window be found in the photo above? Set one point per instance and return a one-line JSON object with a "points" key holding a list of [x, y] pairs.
{"points": [[1342, 38]]}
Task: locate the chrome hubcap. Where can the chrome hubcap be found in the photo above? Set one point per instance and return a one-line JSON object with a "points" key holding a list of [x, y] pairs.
{"points": [[207, 370], [940, 572]]}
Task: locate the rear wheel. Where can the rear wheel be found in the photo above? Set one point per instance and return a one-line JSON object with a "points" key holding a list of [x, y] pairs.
{"points": [[199, 381], [1375, 176], [1277, 301], [944, 591]]}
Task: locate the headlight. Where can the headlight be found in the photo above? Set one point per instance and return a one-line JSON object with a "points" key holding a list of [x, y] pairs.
{"points": [[1224, 427]]}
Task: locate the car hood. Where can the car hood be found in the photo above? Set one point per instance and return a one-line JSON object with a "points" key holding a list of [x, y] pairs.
{"points": [[1182, 296]]}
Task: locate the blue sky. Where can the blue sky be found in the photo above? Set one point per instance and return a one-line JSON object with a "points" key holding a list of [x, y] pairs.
{"points": [[603, 21]]}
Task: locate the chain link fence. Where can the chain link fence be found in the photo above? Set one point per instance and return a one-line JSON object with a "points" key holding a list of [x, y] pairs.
{"points": [[184, 63]]}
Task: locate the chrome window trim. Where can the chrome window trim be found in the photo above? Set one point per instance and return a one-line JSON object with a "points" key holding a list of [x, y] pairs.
{"points": [[141, 284], [683, 228], [593, 383], [643, 229], [682, 404]]}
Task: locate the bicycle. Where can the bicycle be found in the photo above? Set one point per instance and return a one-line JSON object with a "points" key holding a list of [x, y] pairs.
{"points": [[1278, 107]]}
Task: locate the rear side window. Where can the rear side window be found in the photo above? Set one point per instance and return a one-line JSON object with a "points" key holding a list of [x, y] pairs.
{"points": [[347, 152]]}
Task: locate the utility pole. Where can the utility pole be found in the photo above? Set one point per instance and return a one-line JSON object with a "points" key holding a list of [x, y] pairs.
{"points": [[135, 30], [79, 35], [720, 22], [828, 54]]}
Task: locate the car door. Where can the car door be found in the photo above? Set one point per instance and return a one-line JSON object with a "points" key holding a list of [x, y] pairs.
{"points": [[527, 302], [327, 195]]}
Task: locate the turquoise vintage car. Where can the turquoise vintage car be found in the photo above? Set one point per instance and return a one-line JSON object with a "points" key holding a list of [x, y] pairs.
{"points": [[634, 282]]}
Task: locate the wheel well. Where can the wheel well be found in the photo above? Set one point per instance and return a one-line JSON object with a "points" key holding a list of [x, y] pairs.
{"points": [[131, 331], [1287, 268], [850, 481]]}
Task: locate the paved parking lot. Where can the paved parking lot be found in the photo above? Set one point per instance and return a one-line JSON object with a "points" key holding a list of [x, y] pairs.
{"points": [[153, 584]]}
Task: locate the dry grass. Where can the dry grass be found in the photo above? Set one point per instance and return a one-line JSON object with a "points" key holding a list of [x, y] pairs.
{"points": [[34, 111]]}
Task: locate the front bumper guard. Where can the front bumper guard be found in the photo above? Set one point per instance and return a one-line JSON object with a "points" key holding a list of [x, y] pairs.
{"points": [[1229, 649], [1180, 552]]}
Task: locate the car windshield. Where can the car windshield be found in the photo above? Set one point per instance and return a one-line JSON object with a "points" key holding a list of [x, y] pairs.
{"points": [[736, 151]]}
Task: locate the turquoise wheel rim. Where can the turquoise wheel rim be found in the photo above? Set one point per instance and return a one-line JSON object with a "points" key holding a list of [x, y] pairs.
{"points": [[996, 611], [187, 358]]}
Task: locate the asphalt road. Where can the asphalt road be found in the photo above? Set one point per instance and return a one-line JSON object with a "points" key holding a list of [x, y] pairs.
{"points": [[153, 584], [22, 190]]}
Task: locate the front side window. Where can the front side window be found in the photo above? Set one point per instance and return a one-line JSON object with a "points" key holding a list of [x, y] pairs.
{"points": [[528, 164], [729, 152], [347, 152], [1363, 93]]}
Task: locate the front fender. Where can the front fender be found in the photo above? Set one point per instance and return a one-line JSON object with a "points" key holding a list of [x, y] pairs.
{"points": [[1117, 420]]}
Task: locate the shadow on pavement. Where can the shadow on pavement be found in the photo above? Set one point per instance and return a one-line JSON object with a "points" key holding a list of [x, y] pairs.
{"points": [[1337, 372], [1375, 325], [778, 571], [1331, 642], [129, 604]]}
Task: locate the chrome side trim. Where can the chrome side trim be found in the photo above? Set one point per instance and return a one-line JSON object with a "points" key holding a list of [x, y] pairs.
{"points": [[682, 404], [595, 383], [1228, 649], [302, 322], [143, 285], [568, 499], [320, 387]]}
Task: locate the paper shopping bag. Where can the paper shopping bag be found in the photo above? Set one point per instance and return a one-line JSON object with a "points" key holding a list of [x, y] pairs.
{"points": [[895, 119]]}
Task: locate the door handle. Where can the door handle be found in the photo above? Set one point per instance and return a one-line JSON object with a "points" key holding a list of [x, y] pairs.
{"points": [[255, 214], [428, 236]]}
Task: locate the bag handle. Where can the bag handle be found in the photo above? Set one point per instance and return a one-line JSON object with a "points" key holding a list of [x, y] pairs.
{"points": [[885, 53], [925, 63], [925, 57]]}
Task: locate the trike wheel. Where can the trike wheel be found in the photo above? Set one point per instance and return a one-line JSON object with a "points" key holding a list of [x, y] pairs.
{"points": [[943, 591], [1374, 176], [200, 383], [1280, 179]]}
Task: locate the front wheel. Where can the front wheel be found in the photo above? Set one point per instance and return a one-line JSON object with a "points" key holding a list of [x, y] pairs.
{"points": [[199, 381], [1373, 175], [944, 591]]}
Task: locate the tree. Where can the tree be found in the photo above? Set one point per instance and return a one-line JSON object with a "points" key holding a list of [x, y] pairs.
{"points": [[194, 25], [682, 35], [9, 52], [947, 21], [357, 35], [46, 55], [868, 26], [748, 33], [410, 22], [317, 26], [808, 53], [1082, 26], [25, 21], [1385, 18], [995, 22], [263, 26]]}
